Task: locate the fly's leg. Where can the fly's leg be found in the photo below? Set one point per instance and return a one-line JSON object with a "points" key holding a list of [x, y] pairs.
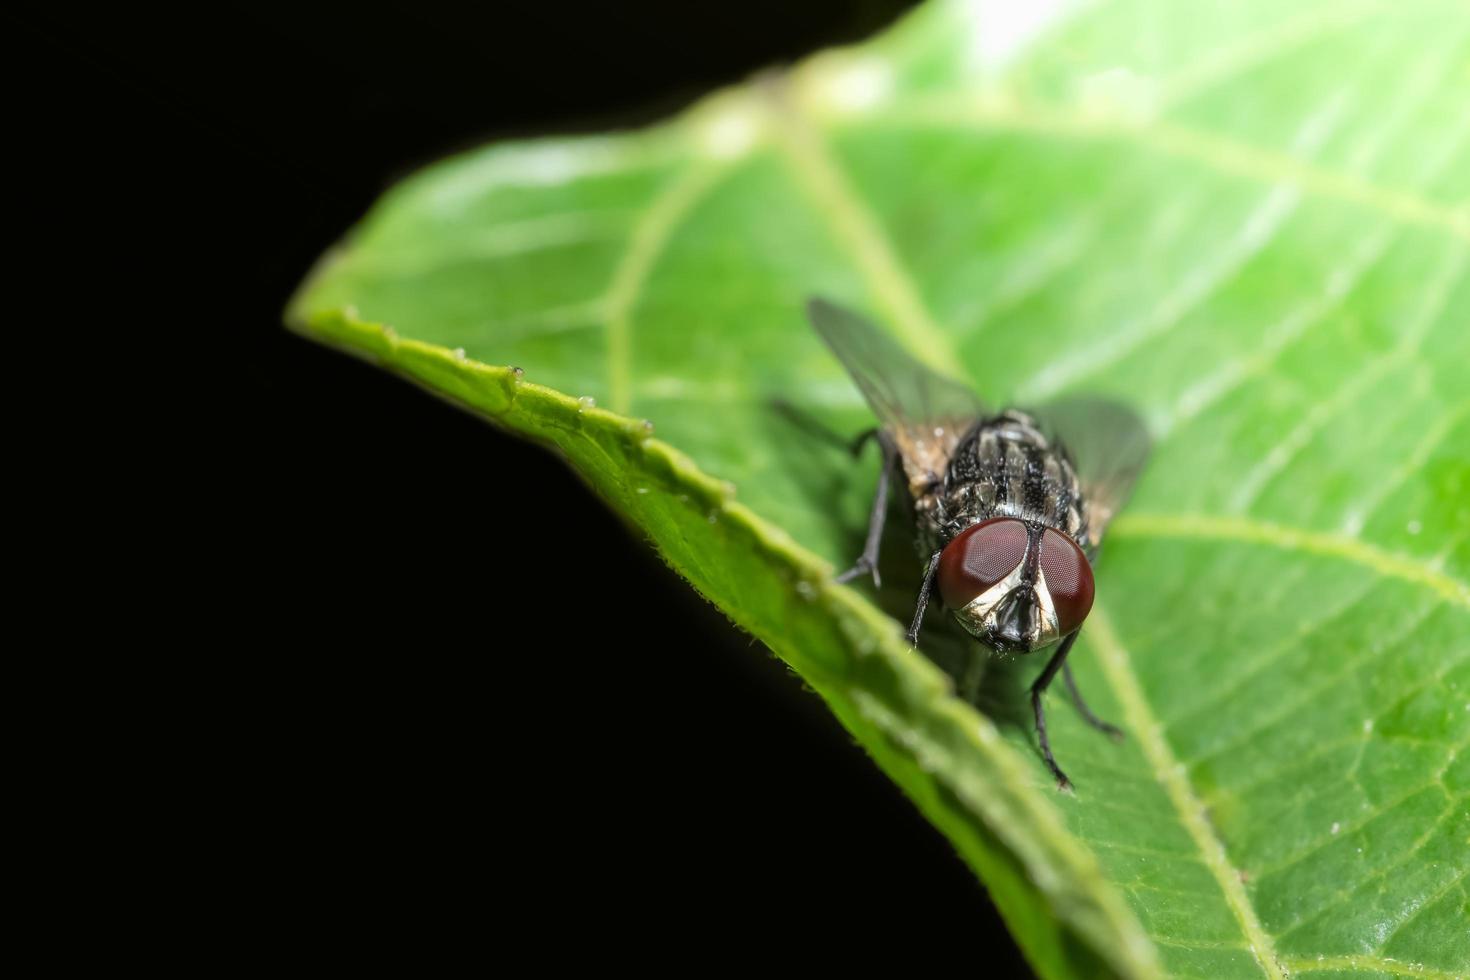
{"points": [[868, 562], [1082, 707], [861, 439], [1037, 690], [924, 591]]}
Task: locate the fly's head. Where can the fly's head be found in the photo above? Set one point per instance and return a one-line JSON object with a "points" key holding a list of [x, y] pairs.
{"points": [[1017, 586]]}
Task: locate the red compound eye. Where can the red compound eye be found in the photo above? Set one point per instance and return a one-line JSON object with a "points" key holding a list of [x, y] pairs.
{"points": [[980, 557], [1068, 579]]}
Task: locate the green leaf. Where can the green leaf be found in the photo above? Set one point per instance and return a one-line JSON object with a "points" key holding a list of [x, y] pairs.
{"points": [[1252, 225]]}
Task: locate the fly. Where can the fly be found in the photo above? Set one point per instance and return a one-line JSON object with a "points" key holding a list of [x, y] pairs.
{"points": [[1009, 507]]}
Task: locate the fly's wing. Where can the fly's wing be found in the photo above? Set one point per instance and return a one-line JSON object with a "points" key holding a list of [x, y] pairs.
{"points": [[923, 412], [1108, 444]]}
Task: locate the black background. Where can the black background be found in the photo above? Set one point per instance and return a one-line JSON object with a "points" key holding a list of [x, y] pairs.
{"points": [[444, 751]]}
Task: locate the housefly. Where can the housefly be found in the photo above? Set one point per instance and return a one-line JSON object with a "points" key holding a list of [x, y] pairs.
{"points": [[1009, 506]]}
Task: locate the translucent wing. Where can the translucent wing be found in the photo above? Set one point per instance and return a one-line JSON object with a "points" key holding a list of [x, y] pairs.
{"points": [[1108, 444], [900, 390], [923, 412]]}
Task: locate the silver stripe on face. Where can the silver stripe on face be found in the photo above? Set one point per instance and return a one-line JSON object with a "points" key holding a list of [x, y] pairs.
{"points": [[978, 615]]}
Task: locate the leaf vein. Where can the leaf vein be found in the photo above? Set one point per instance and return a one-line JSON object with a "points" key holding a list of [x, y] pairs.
{"points": [[1281, 456], [1344, 832], [1305, 695], [853, 224], [1259, 665], [1239, 371], [650, 234], [1221, 153], [1361, 884], [1369, 964], [1358, 514], [1428, 903], [1247, 530], [1172, 775]]}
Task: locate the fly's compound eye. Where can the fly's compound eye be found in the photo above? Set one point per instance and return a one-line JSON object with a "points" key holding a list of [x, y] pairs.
{"points": [[1068, 579], [981, 556]]}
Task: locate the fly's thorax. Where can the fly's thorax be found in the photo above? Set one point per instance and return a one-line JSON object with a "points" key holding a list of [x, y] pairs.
{"points": [[1005, 466]]}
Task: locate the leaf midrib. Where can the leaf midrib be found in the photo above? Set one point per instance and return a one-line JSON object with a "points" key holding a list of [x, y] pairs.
{"points": [[1172, 775]]}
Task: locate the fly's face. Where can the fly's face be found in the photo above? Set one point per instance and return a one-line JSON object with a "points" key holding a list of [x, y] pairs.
{"points": [[1016, 585]]}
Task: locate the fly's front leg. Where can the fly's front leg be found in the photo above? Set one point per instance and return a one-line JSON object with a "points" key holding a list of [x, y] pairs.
{"points": [[924, 591], [868, 562], [1037, 690], [1085, 711]]}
